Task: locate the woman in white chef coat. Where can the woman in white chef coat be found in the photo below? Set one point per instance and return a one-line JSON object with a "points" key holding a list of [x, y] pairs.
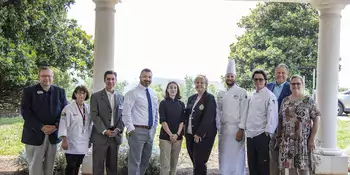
{"points": [[75, 130]]}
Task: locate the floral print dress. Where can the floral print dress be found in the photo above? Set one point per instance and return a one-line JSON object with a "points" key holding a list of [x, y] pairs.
{"points": [[296, 120]]}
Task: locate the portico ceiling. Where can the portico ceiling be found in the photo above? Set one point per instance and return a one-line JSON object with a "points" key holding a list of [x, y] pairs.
{"points": [[315, 3]]}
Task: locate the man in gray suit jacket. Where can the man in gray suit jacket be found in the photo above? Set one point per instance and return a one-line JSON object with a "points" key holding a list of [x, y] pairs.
{"points": [[106, 110]]}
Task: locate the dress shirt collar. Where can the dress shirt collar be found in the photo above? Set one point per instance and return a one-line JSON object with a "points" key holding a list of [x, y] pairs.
{"points": [[39, 88], [280, 85], [109, 93], [142, 87]]}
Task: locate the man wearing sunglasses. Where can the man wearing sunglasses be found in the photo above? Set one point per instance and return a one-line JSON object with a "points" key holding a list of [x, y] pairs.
{"points": [[261, 124], [281, 89]]}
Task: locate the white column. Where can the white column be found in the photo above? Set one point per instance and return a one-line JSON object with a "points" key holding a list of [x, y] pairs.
{"points": [[331, 159], [104, 41], [327, 75], [103, 54]]}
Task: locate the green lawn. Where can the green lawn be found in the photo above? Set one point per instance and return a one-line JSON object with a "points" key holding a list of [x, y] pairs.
{"points": [[10, 135], [11, 131], [343, 134]]}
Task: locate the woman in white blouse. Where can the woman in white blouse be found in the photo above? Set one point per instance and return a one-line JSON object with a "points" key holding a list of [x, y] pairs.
{"points": [[75, 130]]}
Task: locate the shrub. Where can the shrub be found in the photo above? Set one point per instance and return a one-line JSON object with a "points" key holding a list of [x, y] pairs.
{"points": [[154, 162], [59, 166], [60, 161]]}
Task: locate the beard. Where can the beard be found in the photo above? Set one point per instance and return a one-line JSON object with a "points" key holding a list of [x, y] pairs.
{"points": [[146, 83], [230, 83]]}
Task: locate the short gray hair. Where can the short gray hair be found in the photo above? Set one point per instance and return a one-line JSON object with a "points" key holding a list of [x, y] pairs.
{"points": [[282, 65]]}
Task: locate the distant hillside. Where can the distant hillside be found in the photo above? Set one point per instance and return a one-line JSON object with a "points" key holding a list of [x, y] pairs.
{"points": [[164, 81]]}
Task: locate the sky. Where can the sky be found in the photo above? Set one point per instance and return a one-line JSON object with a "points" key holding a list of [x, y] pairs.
{"points": [[175, 38]]}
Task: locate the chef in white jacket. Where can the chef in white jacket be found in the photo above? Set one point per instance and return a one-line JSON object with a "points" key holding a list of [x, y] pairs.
{"points": [[232, 111], [261, 123], [75, 130]]}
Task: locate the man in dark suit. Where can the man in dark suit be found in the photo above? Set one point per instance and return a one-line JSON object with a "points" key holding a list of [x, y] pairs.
{"points": [[281, 89], [106, 110], [41, 108]]}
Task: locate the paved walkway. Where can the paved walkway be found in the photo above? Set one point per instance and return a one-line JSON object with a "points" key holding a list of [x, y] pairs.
{"points": [[344, 118]]}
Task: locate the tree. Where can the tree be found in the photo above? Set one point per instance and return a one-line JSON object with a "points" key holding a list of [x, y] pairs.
{"points": [[277, 33], [159, 91], [212, 89], [188, 88], [35, 33], [120, 86], [65, 81]]}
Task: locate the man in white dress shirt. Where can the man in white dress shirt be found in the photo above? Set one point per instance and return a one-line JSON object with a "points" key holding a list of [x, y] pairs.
{"points": [[261, 124], [231, 118], [140, 116]]}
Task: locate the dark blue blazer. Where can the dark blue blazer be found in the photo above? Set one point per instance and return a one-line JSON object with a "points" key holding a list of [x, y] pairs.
{"points": [[284, 93], [39, 108], [204, 113]]}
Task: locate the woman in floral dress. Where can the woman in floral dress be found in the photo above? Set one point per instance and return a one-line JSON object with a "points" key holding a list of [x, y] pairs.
{"points": [[298, 125]]}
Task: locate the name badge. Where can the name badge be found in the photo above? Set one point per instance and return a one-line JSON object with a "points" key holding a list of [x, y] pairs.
{"points": [[75, 114], [39, 92]]}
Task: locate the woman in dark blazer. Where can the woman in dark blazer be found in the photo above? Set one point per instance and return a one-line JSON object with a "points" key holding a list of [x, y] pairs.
{"points": [[200, 125]]}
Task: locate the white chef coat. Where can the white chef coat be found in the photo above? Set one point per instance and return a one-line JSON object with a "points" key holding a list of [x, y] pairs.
{"points": [[262, 113], [232, 111], [71, 126]]}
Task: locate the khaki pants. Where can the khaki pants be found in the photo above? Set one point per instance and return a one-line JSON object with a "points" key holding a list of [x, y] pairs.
{"points": [[169, 155], [41, 158], [295, 171]]}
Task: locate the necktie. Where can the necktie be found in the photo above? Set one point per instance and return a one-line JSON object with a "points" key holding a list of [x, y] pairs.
{"points": [[150, 116]]}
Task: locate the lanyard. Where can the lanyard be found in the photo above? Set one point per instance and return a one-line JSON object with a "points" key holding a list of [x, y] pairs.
{"points": [[82, 115]]}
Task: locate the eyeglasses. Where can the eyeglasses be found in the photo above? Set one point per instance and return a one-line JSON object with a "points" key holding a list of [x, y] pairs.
{"points": [[259, 79], [45, 76], [295, 84], [80, 93]]}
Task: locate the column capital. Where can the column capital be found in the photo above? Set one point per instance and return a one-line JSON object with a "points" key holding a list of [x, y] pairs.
{"points": [[105, 4], [329, 6]]}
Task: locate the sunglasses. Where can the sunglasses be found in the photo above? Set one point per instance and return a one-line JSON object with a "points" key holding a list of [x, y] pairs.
{"points": [[295, 84], [259, 79]]}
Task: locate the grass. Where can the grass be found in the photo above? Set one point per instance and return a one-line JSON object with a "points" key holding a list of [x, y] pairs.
{"points": [[10, 136], [343, 134], [11, 133]]}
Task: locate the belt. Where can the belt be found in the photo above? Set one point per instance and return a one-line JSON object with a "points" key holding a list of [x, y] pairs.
{"points": [[142, 126]]}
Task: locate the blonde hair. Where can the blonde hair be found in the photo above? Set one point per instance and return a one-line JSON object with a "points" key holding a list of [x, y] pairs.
{"points": [[302, 82], [202, 77], [298, 76]]}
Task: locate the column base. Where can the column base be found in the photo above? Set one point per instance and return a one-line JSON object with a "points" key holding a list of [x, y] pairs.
{"points": [[331, 165], [86, 166]]}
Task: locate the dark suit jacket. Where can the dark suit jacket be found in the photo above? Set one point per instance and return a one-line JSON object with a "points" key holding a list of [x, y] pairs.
{"points": [[204, 114], [284, 93], [100, 111], [39, 108]]}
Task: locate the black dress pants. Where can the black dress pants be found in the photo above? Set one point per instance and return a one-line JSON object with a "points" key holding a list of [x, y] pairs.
{"points": [[258, 154], [73, 163], [199, 153]]}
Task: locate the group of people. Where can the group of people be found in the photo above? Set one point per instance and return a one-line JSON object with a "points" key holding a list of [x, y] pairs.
{"points": [[278, 122], [278, 119]]}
